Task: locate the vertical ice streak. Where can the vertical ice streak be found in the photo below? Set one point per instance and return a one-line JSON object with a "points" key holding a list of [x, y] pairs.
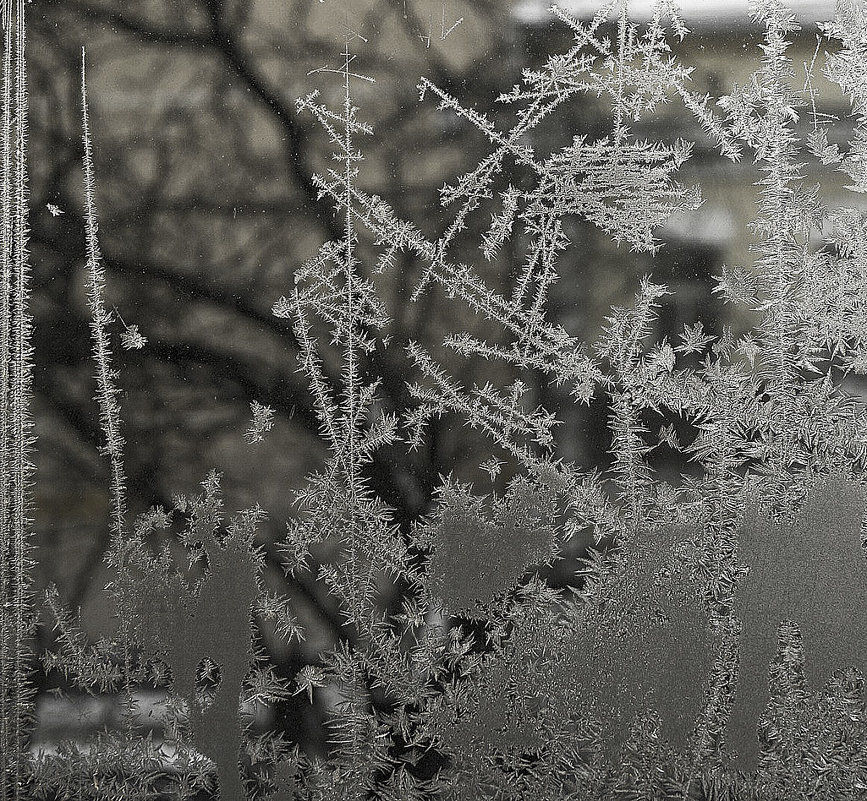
{"points": [[99, 320], [106, 391], [16, 428]]}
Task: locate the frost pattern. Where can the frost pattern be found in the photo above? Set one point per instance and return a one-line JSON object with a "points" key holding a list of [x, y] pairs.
{"points": [[706, 649]]}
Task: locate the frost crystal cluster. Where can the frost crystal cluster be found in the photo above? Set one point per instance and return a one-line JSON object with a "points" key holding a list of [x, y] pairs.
{"points": [[709, 644]]}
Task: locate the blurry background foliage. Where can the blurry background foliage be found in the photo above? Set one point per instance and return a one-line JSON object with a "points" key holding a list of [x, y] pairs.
{"points": [[207, 207]]}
